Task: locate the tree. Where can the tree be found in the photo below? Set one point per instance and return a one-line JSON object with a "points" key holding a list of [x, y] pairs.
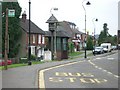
{"points": [[71, 47], [89, 43], [106, 37], [13, 28], [103, 37]]}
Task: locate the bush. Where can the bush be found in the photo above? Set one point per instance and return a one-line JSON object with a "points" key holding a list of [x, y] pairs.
{"points": [[23, 60], [33, 57]]}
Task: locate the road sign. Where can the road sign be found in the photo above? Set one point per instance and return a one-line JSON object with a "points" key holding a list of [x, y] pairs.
{"points": [[11, 13]]}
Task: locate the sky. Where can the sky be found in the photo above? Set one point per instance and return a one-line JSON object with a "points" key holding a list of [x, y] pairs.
{"points": [[106, 11]]}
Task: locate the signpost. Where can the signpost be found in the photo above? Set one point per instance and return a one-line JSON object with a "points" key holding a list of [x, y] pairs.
{"points": [[9, 13]]}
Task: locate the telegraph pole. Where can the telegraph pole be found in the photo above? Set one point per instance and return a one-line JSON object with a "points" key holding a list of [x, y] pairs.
{"points": [[9, 13], [6, 40]]}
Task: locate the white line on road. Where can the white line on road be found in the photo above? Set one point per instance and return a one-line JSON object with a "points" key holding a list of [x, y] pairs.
{"points": [[98, 58], [110, 58], [116, 76], [103, 69]]}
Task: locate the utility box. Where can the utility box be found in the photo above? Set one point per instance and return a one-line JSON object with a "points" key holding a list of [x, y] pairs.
{"points": [[47, 56]]}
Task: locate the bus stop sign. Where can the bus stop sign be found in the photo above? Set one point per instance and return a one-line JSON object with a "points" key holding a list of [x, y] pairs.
{"points": [[11, 13]]}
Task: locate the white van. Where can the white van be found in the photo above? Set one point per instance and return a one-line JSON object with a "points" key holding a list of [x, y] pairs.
{"points": [[106, 47]]}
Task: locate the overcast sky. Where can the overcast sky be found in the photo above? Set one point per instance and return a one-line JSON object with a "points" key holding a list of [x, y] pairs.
{"points": [[106, 11]]}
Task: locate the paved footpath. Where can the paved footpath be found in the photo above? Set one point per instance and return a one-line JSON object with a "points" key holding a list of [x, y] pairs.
{"points": [[27, 76]]}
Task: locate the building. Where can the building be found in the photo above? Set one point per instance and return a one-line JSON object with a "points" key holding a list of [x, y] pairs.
{"points": [[76, 36], [60, 39], [37, 38]]}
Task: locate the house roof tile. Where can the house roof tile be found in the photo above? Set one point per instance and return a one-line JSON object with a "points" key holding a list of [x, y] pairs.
{"points": [[34, 28]]}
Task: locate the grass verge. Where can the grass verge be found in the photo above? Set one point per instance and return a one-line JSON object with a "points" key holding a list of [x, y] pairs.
{"points": [[75, 53], [20, 65]]}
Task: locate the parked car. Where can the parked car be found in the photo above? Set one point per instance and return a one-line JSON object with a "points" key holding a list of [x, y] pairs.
{"points": [[2, 62], [98, 50], [114, 47]]}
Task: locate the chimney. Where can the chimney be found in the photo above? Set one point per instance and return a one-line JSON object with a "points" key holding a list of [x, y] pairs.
{"points": [[24, 16]]}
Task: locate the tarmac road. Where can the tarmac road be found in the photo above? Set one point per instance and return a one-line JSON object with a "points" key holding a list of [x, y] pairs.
{"points": [[98, 72], [27, 76]]}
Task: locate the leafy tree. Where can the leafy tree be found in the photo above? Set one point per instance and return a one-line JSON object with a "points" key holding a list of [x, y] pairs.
{"points": [[103, 37], [71, 47], [13, 28], [106, 37], [114, 40], [89, 43]]}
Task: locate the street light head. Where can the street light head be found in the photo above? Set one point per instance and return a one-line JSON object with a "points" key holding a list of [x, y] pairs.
{"points": [[55, 9], [96, 20], [88, 3]]}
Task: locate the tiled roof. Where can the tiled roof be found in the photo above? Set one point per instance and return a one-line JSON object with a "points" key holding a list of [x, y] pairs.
{"points": [[52, 19], [34, 28], [66, 27]]}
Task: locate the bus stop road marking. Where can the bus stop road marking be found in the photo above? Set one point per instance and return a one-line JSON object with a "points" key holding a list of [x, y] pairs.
{"points": [[41, 83]]}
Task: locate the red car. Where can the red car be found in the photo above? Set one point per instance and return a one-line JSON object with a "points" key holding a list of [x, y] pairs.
{"points": [[2, 62]]}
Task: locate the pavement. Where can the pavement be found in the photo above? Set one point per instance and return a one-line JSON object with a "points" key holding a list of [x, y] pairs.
{"points": [[27, 76]]}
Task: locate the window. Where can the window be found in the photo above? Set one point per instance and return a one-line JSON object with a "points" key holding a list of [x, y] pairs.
{"points": [[58, 43], [43, 39], [39, 39], [33, 38], [32, 50], [64, 43]]}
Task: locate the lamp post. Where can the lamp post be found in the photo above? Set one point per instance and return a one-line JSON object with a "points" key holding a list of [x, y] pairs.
{"points": [[29, 47], [94, 19], [6, 40], [88, 3]]}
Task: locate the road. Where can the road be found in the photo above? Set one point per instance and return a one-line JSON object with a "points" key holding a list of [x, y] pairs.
{"points": [[95, 72]]}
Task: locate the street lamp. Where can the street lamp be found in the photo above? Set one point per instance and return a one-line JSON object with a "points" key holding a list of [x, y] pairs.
{"points": [[94, 19], [55, 9], [88, 3], [29, 47]]}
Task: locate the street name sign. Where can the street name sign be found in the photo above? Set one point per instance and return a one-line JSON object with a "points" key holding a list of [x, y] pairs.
{"points": [[11, 13]]}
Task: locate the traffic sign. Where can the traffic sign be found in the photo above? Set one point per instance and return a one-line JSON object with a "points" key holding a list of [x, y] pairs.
{"points": [[11, 13]]}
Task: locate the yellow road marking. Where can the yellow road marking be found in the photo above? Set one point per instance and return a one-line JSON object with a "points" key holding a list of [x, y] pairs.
{"points": [[41, 73], [41, 79], [74, 79]]}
